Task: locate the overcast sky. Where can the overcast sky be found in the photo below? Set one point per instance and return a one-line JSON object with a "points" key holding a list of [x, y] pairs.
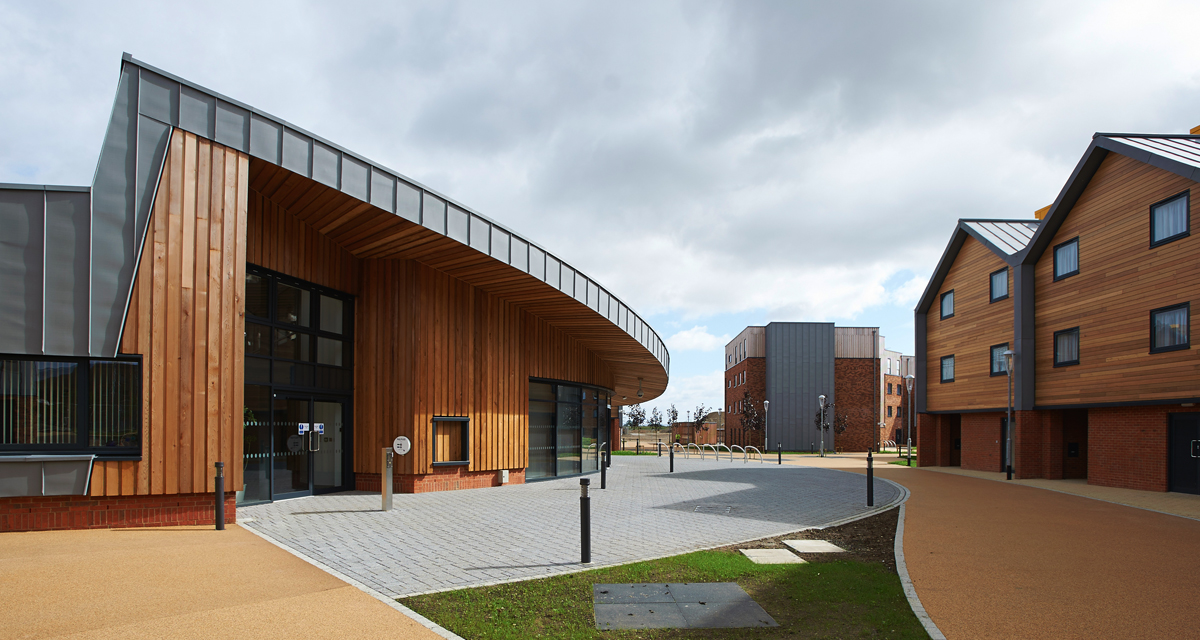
{"points": [[715, 164]]}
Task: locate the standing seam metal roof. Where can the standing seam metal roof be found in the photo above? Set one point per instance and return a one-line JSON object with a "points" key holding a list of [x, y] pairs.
{"points": [[1008, 236]]}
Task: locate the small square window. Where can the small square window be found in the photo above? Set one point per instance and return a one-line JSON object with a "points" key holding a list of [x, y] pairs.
{"points": [[948, 304], [1066, 347], [948, 369], [1066, 259], [1169, 220], [999, 364], [1169, 328], [999, 284], [451, 441]]}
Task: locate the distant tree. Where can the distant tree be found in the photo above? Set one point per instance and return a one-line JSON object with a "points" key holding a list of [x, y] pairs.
{"points": [[699, 416], [672, 415], [656, 418], [834, 421], [635, 416], [752, 418]]}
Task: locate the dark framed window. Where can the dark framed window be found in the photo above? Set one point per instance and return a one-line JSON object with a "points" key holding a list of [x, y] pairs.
{"points": [[889, 389], [71, 405], [451, 440], [1169, 219], [1169, 328], [568, 426], [948, 304], [947, 368], [998, 285], [1066, 347], [1066, 259], [889, 410], [999, 364]]}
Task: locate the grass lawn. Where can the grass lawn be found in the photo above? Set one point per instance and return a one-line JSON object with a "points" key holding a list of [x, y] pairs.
{"points": [[852, 595], [904, 462]]}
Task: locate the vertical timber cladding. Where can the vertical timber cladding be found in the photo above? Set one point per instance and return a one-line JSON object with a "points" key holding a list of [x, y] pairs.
{"points": [[185, 318], [426, 344]]}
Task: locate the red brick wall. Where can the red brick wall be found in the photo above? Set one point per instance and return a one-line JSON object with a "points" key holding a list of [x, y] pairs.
{"points": [[856, 392], [898, 401], [938, 432], [981, 441], [1127, 446], [442, 479], [756, 384], [43, 513]]}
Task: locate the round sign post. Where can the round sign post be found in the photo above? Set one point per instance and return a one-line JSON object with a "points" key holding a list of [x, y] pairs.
{"points": [[401, 445]]}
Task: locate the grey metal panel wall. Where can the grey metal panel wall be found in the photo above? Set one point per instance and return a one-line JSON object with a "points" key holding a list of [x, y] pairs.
{"points": [[22, 216], [67, 285], [799, 368]]}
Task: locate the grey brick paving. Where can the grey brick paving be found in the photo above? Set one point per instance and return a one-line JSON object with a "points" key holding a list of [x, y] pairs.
{"points": [[456, 539]]}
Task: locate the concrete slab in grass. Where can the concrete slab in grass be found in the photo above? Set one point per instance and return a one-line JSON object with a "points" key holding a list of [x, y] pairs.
{"points": [[726, 615], [708, 592], [704, 605], [813, 546], [772, 556], [663, 615], [631, 593]]}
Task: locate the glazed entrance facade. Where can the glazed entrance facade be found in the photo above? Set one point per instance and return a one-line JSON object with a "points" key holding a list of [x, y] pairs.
{"points": [[297, 432]]}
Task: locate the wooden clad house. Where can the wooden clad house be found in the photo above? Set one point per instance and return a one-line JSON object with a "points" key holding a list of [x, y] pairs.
{"points": [[235, 289], [1105, 380]]}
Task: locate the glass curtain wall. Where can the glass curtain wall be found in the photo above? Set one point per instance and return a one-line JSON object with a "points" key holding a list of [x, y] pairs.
{"points": [[566, 428]]}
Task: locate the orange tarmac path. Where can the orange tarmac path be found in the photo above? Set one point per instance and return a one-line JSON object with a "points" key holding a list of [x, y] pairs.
{"points": [[180, 582], [993, 560]]}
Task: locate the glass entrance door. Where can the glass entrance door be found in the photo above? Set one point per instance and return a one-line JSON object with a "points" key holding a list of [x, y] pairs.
{"points": [[330, 452], [290, 458]]}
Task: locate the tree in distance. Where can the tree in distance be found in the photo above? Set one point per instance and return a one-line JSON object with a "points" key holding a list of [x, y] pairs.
{"points": [[751, 413], [656, 418], [635, 416]]}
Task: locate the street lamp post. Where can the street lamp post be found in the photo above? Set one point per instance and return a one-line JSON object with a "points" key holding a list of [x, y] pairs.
{"points": [[908, 384], [1008, 426], [766, 413], [821, 427]]}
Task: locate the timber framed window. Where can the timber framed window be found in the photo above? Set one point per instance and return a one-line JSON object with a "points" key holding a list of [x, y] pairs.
{"points": [[948, 304], [1169, 219], [947, 368], [999, 365], [1066, 259], [451, 440], [1169, 328], [998, 285], [1066, 347], [71, 405]]}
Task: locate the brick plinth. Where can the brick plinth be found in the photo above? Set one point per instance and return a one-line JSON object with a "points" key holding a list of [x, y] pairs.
{"points": [[1127, 446], [442, 479], [44, 513]]}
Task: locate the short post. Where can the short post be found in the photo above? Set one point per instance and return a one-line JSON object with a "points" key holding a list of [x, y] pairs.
{"points": [[870, 480], [639, 447], [671, 451], [585, 522], [219, 486], [660, 448], [779, 448], [603, 472], [386, 478]]}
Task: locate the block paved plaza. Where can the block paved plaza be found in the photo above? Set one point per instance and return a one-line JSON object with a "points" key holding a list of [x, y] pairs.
{"points": [[455, 539]]}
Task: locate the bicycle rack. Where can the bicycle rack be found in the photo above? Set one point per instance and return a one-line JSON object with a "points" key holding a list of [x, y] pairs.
{"points": [[755, 449]]}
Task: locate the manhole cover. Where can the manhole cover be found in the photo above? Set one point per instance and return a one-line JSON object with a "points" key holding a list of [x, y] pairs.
{"points": [[724, 509]]}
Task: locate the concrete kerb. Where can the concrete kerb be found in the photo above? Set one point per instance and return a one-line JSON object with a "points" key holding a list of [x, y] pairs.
{"points": [[391, 602], [910, 592]]}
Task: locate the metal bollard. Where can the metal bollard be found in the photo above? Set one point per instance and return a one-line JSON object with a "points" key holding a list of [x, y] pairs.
{"points": [[386, 477], [639, 447], [870, 480], [779, 447], [660, 448], [608, 456], [585, 522], [219, 486], [603, 474], [672, 455]]}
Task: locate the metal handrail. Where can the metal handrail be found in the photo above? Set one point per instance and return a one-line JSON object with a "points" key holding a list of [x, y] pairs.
{"points": [[760, 458]]}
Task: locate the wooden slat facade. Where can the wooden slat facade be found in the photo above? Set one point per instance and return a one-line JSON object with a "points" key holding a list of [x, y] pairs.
{"points": [[977, 324], [1120, 280], [185, 320]]}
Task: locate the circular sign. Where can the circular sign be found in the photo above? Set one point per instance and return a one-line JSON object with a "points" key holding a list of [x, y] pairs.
{"points": [[401, 445], [295, 443]]}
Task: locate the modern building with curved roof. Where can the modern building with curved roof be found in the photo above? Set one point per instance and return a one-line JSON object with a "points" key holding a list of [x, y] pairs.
{"points": [[234, 289]]}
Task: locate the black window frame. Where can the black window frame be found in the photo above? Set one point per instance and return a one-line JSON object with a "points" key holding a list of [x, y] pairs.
{"points": [[992, 361], [466, 440], [83, 411], [1078, 259], [1179, 347], [991, 290], [942, 371], [1187, 218], [889, 411], [942, 305], [1078, 348]]}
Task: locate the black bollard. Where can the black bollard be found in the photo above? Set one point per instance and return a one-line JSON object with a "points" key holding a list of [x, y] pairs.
{"points": [[603, 473], [219, 483], [779, 447], [639, 447], [870, 480], [608, 456], [672, 456], [585, 522]]}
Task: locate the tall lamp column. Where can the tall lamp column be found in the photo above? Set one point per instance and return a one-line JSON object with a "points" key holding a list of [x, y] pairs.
{"points": [[821, 427], [908, 384], [766, 415], [1008, 425]]}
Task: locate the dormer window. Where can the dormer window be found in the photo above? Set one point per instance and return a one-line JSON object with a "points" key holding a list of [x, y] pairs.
{"points": [[948, 304], [1066, 259], [1169, 220]]}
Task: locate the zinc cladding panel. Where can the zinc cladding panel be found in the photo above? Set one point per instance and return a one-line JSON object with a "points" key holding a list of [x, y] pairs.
{"points": [[68, 217], [21, 259], [799, 368]]}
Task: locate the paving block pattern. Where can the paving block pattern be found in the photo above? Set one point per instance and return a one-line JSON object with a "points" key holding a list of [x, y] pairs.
{"points": [[456, 539]]}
